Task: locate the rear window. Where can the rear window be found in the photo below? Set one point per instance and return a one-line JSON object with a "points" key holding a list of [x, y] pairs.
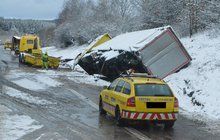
{"points": [[152, 90]]}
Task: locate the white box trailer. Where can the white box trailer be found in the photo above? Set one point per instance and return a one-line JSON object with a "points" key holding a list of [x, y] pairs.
{"points": [[165, 54], [161, 51]]}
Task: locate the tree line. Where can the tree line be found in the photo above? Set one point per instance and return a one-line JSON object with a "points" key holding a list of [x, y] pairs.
{"points": [[20, 26], [82, 20]]}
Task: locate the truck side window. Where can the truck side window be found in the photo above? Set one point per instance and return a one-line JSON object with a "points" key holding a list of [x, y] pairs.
{"points": [[127, 88], [119, 86], [113, 85], [30, 42]]}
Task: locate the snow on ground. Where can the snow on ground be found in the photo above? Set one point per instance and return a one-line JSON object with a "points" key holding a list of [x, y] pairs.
{"points": [[65, 53], [32, 81], [29, 84], [13, 126], [77, 77], [68, 53], [26, 97], [197, 86]]}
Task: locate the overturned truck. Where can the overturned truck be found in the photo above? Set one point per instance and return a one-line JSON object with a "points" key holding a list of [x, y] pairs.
{"points": [[156, 52]]}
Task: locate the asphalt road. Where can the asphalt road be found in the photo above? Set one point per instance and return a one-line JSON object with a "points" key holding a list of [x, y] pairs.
{"points": [[72, 113]]}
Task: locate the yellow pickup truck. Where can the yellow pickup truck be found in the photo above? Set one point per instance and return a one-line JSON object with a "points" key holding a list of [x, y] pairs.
{"points": [[139, 97]]}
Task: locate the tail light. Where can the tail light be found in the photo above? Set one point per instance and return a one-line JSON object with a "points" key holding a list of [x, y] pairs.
{"points": [[176, 103], [131, 102]]}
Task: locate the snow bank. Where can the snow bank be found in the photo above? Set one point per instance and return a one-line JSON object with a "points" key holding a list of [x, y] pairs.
{"points": [[197, 85], [15, 126]]}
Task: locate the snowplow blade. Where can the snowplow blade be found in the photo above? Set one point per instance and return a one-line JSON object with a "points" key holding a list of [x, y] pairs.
{"points": [[36, 61]]}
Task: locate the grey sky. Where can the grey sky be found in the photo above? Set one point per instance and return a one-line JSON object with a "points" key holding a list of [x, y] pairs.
{"points": [[30, 9]]}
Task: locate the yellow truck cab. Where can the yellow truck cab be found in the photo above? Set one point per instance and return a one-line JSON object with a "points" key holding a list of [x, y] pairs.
{"points": [[30, 44], [139, 97]]}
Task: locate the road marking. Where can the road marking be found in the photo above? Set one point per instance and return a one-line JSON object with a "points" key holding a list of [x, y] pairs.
{"points": [[80, 96], [137, 133], [132, 131]]}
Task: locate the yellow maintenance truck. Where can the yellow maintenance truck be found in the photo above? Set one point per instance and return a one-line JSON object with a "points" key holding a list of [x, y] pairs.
{"points": [[29, 49], [26, 44]]}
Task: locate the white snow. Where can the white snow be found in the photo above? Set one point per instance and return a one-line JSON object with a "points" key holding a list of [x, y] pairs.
{"points": [[64, 53], [32, 81], [197, 86], [13, 126], [88, 79], [131, 41], [77, 77], [29, 84], [26, 97], [110, 54]]}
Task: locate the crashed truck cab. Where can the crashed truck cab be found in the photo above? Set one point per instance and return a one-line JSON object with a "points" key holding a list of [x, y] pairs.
{"points": [[156, 52]]}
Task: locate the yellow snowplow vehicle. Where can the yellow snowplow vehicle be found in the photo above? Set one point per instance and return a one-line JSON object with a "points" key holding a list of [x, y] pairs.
{"points": [[8, 45], [30, 52]]}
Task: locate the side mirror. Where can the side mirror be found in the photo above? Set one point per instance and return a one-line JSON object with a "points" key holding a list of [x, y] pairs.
{"points": [[105, 87]]}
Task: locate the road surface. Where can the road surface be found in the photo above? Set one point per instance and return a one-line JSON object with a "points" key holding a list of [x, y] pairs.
{"points": [[69, 110]]}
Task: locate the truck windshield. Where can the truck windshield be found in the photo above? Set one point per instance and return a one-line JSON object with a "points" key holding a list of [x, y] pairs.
{"points": [[152, 90]]}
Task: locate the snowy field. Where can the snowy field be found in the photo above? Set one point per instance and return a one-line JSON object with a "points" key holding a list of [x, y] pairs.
{"points": [[14, 126]]}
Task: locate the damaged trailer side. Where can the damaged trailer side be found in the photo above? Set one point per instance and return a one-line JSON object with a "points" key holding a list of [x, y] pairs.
{"points": [[155, 51]]}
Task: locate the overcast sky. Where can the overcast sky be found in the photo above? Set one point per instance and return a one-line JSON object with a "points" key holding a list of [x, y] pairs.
{"points": [[30, 9]]}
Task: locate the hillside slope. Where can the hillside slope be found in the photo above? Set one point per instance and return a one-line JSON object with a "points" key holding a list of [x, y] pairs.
{"points": [[197, 86]]}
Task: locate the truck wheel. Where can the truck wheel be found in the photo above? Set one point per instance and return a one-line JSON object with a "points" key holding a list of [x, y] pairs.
{"points": [[169, 124], [101, 110], [119, 120]]}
